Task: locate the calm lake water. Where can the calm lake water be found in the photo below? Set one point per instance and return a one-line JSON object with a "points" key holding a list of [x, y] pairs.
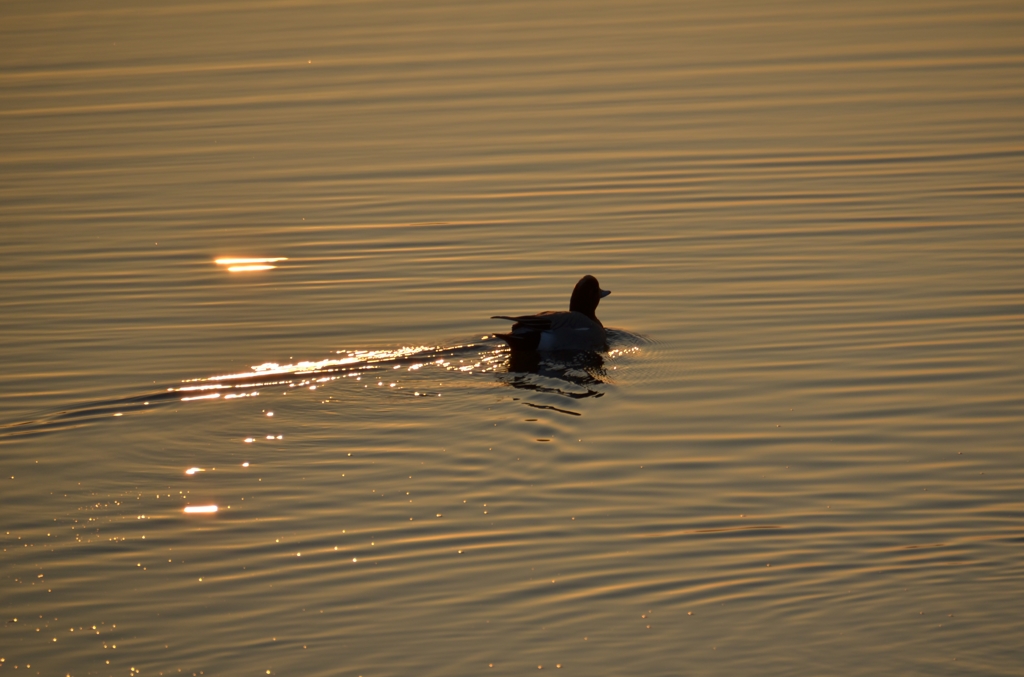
{"points": [[801, 456]]}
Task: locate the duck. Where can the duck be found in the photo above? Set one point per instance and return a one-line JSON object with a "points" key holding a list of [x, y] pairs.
{"points": [[576, 329]]}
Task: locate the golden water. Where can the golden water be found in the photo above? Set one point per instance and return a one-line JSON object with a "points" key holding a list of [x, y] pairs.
{"points": [[801, 456]]}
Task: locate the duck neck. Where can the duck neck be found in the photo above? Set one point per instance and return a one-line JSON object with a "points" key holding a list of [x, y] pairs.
{"points": [[577, 306]]}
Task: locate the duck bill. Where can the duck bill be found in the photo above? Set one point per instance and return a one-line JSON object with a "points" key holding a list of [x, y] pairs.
{"points": [[605, 292]]}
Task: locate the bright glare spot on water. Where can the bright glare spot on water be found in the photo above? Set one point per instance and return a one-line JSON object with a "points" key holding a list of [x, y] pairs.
{"points": [[231, 397], [201, 397], [246, 464], [200, 508], [270, 413], [193, 471], [239, 265], [249, 440]]}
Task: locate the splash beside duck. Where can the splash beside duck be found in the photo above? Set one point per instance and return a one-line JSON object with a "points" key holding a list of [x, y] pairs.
{"points": [[576, 329]]}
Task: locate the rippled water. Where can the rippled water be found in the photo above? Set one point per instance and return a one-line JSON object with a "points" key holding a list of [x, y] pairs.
{"points": [[801, 455]]}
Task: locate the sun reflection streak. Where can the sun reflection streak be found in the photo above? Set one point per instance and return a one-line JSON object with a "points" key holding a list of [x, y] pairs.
{"points": [[374, 365], [200, 508], [356, 363], [201, 397], [246, 265]]}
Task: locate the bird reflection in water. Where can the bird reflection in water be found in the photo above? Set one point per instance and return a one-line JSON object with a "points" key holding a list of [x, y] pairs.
{"points": [[583, 369]]}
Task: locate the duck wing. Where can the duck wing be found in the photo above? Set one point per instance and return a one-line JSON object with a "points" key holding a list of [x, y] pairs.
{"points": [[539, 322]]}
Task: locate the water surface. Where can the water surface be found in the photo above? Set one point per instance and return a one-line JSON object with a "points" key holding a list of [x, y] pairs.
{"points": [[802, 454]]}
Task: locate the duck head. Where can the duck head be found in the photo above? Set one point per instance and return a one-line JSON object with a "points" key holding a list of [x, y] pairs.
{"points": [[586, 295]]}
